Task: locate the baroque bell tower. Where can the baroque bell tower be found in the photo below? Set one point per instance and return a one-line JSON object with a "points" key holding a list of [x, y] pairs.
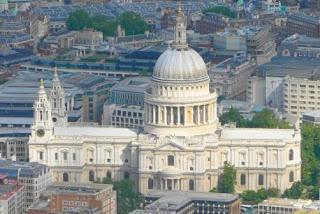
{"points": [[57, 99], [42, 127]]}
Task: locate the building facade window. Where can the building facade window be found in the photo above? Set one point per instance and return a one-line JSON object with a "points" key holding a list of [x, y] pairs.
{"points": [[41, 155], [65, 156], [109, 175], [170, 160], [243, 179], [74, 156], [65, 177], [191, 185], [291, 177], [91, 175], [126, 175], [260, 179], [291, 154], [56, 156], [150, 183]]}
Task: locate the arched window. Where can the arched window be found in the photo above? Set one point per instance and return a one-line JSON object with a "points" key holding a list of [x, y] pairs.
{"points": [[291, 155], [170, 160], [243, 179], [191, 185], [109, 175], [291, 177], [65, 177], [150, 183], [126, 175], [91, 175], [260, 180]]}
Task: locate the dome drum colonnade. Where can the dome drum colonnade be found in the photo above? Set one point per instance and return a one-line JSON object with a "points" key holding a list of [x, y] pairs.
{"points": [[179, 96]]}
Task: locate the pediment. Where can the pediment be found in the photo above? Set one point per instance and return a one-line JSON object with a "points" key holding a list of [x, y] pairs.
{"points": [[171, 146]]}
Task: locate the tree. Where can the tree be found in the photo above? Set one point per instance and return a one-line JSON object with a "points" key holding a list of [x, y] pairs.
{"points": [[267, 119], [227, 179], [232, 115], [127, 198], [295, 191], [132, 23], [252, 197], [78, 20], [222, 10]]}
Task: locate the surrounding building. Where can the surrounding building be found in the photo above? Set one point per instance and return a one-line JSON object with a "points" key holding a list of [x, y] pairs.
{"points": [[267, 87], [125, 108], [189, 202], [300, 46], [182, 146], [311, 117], [285, 205], [300, 95], [34, 177], [96, 91], [303, 24], [76, 198], [260, 43], [12, 200], [229, 78], [271, 6]]}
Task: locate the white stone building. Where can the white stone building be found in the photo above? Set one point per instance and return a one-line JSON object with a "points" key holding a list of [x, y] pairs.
{"points": [[182, 147]]}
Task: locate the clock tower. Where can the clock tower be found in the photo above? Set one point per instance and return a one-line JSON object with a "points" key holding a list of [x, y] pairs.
{"points": [[42, 126]]}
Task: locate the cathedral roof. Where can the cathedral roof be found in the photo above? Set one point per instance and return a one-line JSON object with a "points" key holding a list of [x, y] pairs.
{"points": [[94, 132], [257, 134]]}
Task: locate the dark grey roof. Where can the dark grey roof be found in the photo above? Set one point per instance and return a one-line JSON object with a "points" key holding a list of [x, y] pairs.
{"points": [[16, 169], [298, 67]]}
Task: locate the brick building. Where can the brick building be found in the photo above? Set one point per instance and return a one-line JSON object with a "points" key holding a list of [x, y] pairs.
{"points": [[76, 198]]}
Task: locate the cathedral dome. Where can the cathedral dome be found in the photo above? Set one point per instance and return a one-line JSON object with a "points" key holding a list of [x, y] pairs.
{"points": [[177, 64]]}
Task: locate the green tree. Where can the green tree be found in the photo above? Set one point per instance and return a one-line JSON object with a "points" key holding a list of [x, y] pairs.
{"points": [[250, 197], [104, 24], [295, 191], [253, 197], [226, 11], [127, 198], [232, 115], [78, 20], [227, 179], [267, 119], [132, 23]]}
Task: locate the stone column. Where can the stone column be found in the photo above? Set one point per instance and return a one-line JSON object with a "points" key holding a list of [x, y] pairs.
{"points": [[154, 114], [185, 116], [178, 116], [160, 119], [171, 116], [165, 115], [198, 115]]}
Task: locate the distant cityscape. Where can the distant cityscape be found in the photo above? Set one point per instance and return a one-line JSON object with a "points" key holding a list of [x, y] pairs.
{"points": [[156, 107]]}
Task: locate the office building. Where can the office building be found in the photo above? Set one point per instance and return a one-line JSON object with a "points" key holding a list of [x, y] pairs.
{"points": [[126, 106], [12, 198], [303, 24], [34, 177]]}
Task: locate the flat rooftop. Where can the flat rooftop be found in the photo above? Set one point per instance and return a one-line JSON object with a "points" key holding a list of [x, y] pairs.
{"points": [[132, 84], [77, 188], [298, 67], [298, 203], [177, 199]]}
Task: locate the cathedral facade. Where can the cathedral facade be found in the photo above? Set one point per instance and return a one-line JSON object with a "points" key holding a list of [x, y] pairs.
{"points": [[182, 147]]}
